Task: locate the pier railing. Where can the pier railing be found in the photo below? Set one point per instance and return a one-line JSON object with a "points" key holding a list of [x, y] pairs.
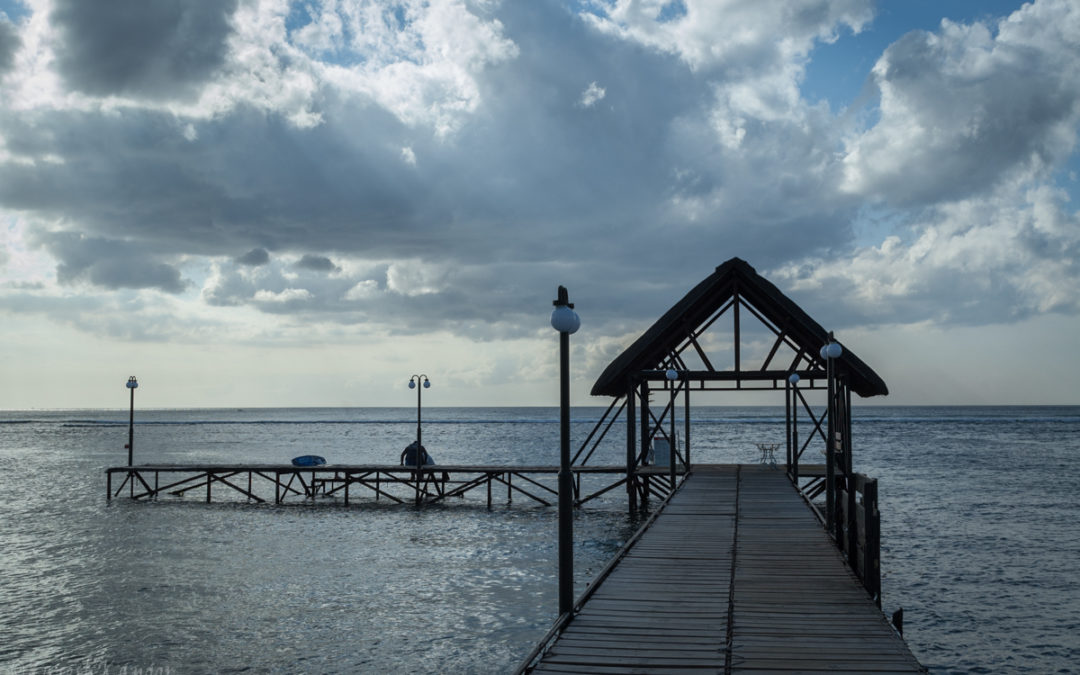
{"points": [[858, 529]]}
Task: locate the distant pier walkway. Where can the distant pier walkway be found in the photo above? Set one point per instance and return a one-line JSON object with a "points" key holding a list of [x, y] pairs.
{"points": [[735, 575], [280, 483]]}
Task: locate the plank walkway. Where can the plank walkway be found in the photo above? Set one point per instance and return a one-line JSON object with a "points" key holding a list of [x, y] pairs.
{"points": [[734, 576]]}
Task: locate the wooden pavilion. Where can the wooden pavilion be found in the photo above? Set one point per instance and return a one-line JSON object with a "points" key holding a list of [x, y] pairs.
{"points": [[773, 345]]}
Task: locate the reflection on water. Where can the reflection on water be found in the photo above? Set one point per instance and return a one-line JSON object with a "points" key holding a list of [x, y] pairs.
{"points": [[980, 532]]}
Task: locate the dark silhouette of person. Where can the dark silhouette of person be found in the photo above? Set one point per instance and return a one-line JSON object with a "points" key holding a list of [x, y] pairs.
{"points": [[408, 456]]}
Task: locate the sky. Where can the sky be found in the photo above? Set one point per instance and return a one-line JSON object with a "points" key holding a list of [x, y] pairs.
{"points": [[273, 203]]}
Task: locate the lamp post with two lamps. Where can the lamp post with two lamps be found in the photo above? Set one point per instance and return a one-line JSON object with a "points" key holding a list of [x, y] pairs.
{"points": [[425, 384], [565, 320], [418, 456]]}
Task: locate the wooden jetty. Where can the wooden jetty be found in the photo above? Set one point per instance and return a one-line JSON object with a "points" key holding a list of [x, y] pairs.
{"points": [[735, 574], [397, 483], [740, 571]]}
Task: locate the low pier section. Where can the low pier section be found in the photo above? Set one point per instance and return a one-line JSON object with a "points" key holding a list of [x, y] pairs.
{"points": [[281, 483], [735, 575]]}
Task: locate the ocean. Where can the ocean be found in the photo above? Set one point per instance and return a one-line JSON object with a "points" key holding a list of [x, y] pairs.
{"points": [[980, 540]]}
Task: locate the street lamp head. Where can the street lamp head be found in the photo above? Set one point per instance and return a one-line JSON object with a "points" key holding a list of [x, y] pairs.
{"points": [[565, 320], [832, 350], [793, 378], [672, 374], [427, 383], [132, 383], [412, 384]]}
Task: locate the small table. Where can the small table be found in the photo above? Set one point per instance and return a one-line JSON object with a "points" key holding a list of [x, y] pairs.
{"points": [[768, 453]]}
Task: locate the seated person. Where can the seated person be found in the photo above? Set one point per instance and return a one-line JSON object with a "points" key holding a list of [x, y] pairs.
{"points": [[408, 456]]}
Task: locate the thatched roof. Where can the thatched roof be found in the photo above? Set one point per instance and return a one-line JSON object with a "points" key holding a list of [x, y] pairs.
{"points": [[656, 344]]}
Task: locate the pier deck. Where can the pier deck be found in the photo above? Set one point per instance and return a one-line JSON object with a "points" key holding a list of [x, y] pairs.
{"points": [[735, 575]]}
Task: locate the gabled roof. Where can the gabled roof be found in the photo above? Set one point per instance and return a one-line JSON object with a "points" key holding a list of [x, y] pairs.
{"points": [[656, 344]]}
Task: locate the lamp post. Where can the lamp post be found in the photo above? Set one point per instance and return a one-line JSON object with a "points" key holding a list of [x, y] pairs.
{"points": [[565, 320], [132, 385], [830, 351], [425, 384], [671, 376]]}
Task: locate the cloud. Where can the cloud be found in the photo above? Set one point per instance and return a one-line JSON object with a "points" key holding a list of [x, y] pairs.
{"points": [[108, 263], [287, 295], [254, 258], [971, 262], [316, 263], [738, 37], [592, 95], [153, 48], [9, 44], [440, 154], [968, 106]]}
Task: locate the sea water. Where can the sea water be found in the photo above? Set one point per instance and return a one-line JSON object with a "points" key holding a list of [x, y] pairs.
{"points": [[980, 536]]}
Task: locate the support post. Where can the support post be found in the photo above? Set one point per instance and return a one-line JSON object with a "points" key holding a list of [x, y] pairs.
{"points": [[686, 423], [830, 454], [645, 439], [794, 381], [787, 424], [631, 446], [671, 441]]}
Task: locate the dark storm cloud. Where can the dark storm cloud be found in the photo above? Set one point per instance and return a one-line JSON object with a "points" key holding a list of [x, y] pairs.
{"points": [[110, 264], [9, 44], [153, 48], [254, 258], [316, 263]]}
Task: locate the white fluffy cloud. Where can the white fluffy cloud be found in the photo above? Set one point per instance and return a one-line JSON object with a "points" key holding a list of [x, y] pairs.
{"points": [[346, 168], [975, 261], [971, 105]]}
